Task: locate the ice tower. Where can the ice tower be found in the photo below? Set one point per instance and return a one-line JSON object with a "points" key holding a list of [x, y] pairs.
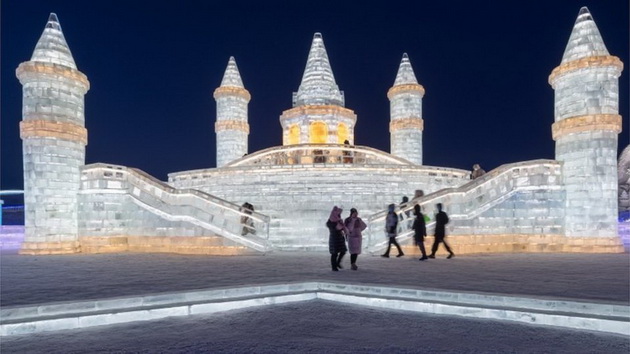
{"points": [[318, 115], [406, 123], [231, 126], [585, 130], [53, 143]]}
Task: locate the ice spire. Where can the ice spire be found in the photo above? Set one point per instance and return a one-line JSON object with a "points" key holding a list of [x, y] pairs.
{"points": [[232, 77], [405, 72], [318, 85], [585, 40], [52, 46]]}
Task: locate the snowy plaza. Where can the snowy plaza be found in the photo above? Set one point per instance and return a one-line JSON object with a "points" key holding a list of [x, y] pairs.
{"points": [[593, 281]]}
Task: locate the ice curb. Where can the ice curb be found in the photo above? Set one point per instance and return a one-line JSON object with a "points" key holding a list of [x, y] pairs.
{"points": [[601, 317]]}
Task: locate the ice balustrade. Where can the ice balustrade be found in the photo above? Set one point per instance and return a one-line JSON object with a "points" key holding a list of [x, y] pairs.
{"points": [[318, 154], [209, 212], [467, 201]]}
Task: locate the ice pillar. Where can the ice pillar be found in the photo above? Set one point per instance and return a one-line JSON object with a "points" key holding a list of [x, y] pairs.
{"points": [[53, 143], [585, 130], [406, 122], [231, 127]]}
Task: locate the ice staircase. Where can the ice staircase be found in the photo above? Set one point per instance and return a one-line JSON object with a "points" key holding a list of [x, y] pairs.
{"points": [[212, 214], [467, 202]]}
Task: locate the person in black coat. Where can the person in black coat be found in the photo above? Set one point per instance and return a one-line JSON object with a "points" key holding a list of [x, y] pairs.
{"points": [[420, 230], [441, 219], [336, 240]]}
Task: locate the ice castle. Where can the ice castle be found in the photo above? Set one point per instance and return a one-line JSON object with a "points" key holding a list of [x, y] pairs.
{"points": [[564, 205]]}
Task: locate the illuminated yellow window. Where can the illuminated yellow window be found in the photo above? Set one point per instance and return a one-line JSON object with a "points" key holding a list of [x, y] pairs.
{"points": [[318, 133], [342, 133], [294, 134]]}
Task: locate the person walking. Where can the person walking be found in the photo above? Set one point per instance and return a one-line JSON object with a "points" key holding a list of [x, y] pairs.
{"points": [[441, 219], [336, 240], [406, 215], [420, 230], [391, 227], [355, 226]]}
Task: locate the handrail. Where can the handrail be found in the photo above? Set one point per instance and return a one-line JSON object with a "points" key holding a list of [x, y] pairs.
{"points": [[12, 192], [448, 196], [231, 211]]}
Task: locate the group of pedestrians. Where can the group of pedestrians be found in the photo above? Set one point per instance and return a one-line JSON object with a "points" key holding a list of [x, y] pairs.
{"points": [[420, 232], [340, 230], [351, 228]]}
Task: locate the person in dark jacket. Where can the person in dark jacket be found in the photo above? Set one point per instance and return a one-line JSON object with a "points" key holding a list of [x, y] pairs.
{"points": [[477, 172], [246, 221], [336, 240], [391, 227], [441, 219], [420, 230]]}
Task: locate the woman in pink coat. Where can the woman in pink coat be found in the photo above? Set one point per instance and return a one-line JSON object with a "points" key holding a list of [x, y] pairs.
{"points": [[354, 225]]}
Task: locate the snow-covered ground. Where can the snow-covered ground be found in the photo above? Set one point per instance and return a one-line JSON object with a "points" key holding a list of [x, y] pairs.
{"points": [[315, 326], [40, 279]]}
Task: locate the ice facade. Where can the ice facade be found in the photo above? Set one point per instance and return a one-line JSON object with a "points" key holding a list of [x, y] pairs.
{"points": [[297, 186], [566, 204]]}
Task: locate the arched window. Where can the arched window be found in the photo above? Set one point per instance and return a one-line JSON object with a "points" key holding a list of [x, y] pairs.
{"points": [[342, 133], [294, 134], [318, 133]]}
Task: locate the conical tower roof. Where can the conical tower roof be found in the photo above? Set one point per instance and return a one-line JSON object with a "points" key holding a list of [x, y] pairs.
{"points": [[52, 46], [318, 85], [405, 72], [232, 77], [585, 40]]}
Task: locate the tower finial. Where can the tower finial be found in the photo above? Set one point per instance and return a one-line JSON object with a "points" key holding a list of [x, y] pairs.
{"points": [[53, 22], [584, 15], [585, 40], [318, 85], [52, 46], [232, 76], [405, 73]]}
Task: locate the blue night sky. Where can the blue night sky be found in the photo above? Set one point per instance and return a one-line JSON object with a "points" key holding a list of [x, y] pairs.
{"points": [[153, 66]]}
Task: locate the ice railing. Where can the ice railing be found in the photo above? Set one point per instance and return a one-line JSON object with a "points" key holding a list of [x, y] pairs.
{"points": [[467, 201], [302, 154], [191, 205]]}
